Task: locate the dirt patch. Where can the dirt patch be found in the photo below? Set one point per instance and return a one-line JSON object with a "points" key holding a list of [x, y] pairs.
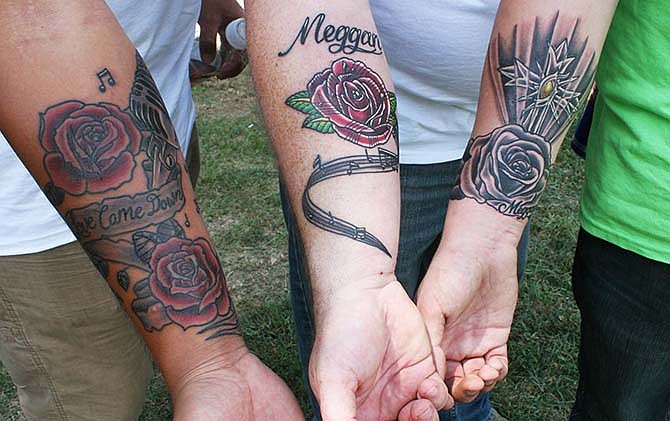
{"points": [[231, 98]]}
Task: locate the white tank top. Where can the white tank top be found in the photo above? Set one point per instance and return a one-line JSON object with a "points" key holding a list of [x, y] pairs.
{"points": [[436, 51], [163, 32]]}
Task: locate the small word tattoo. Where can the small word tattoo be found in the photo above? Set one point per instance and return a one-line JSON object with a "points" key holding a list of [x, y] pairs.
{"points": [[540, 76], [94, 149], [341, 40], [110, 79], [350, 100]]}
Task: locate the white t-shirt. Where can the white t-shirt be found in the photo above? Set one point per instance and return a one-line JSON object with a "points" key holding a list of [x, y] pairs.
{"points": [[436, 51], [163, 33]]}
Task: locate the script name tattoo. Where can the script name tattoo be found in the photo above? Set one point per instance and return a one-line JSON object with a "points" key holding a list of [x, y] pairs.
{"points": [[350, 100], [341, 40], [94, 149], [541, 75]]}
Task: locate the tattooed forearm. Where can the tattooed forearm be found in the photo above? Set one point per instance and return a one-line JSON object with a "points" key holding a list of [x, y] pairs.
{"points": [[141, 239], [342, 39], [540, 76], [350, 100]]}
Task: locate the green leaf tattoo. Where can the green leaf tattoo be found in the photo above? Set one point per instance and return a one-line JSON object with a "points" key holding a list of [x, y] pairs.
{"points": [[319, 123], [302, 102], [393, 118]]}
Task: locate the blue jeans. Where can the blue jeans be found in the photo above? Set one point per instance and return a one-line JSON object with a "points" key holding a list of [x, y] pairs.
{"points": [[624, 354], [425, 191]]}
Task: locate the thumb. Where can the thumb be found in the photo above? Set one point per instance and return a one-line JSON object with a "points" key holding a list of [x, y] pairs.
{"points": [[337, 402], [434, 320]]}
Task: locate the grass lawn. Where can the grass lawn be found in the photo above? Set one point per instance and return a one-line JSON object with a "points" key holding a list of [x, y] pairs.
{"points": [[238, 193]]}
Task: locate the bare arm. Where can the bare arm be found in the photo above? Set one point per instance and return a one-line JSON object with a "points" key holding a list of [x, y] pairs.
{"points": [[89, 123], [539, 69]]}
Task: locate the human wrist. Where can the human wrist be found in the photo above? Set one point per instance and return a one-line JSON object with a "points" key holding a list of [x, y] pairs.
{"points": [[471, 224], [201, 361], [331, 299]]}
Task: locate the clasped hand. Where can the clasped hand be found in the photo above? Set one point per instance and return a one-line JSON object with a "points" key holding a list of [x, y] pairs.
{"points": [[377, 356]]}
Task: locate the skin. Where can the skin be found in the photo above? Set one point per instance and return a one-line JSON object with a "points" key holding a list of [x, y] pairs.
{"points": [[81, 39], [215, 15], [372, 359], [469, 293]]}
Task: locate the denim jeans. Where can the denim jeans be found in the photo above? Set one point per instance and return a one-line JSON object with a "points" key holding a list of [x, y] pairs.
{"points": [[624, 355], [425, 191]]}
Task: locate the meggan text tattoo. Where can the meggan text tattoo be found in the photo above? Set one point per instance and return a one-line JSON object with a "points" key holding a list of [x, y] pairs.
{"points": [[540, 74], [349, 100], [341, 40], [95, 149]]}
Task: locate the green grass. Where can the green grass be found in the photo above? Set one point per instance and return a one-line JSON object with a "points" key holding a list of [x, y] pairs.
{"points": [[238, 193]]}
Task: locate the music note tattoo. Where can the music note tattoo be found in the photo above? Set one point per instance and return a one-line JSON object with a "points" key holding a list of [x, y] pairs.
{"points": [[110, 79], [385, 161], [123, 165]]}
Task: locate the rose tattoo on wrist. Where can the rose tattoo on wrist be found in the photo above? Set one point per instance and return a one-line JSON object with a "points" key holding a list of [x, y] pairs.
{"points": [[350, 100], [186, 285], [188, 281], [507, 169]]}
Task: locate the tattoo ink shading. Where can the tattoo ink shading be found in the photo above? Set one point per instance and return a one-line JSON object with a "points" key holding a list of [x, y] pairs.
{"points": [[90, 148], [95, 149], [110, 80], [540, 77], [341, 40], [385, 161], [349, 100]]}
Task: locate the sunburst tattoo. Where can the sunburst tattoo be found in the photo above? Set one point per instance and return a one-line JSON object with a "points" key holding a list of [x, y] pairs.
{"points": [[539, 75], [548, 86]]}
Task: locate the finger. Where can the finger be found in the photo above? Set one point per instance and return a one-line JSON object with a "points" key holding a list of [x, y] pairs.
{"points": [[418, 410], [208, 33], [489, 386], [440, 360], [453, 373], [500, 364], [337, 402], [495, 370], [434, 321], [489, 376], [434, 390], [471, 384], [467, 388], [471, 366], [232, 65]]}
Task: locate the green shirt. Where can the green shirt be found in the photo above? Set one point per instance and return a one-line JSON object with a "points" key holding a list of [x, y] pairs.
{"points": [[626, 198]]}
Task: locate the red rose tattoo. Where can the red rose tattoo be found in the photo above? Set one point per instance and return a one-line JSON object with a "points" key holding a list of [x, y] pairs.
{"points": [[90, 148], [187, 280], [351, 100], [507, 169]]}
